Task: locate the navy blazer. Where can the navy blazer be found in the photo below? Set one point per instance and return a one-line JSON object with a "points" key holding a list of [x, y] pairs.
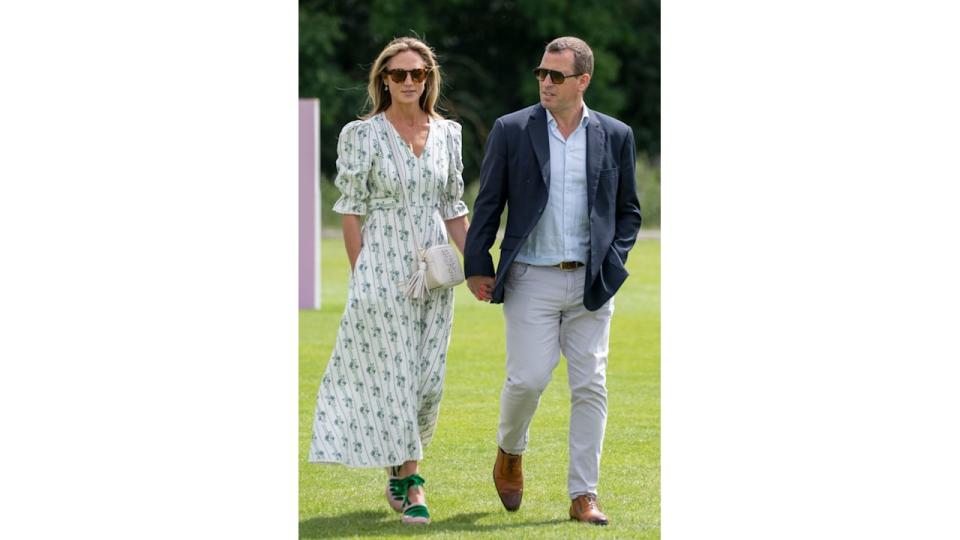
{"points": [[516, 172]]}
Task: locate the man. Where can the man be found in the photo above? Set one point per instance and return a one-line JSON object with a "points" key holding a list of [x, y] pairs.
{"points": [[567, 175]]}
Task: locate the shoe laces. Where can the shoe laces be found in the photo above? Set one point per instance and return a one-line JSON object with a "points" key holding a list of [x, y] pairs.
{"points": [[591, 501], [405, 484]]}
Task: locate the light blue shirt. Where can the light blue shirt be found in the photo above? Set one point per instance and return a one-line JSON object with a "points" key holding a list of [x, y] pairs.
{"points": [[563, 232]]}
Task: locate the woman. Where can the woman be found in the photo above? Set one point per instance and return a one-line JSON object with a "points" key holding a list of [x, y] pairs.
{"points": [[380, 395]]}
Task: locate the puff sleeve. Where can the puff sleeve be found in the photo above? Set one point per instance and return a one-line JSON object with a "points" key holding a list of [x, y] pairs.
{"points": [[451, 203], [354, 158]]}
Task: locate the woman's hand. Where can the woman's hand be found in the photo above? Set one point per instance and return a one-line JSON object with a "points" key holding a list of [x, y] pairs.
{"points": [[352, 239]]}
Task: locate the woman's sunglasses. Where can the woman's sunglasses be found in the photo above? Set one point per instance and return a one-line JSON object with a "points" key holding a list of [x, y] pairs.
{"points": [[400, 75], [555, 76]]}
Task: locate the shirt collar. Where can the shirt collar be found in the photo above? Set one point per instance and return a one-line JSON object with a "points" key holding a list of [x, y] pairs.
{"points": [[584, 116]]}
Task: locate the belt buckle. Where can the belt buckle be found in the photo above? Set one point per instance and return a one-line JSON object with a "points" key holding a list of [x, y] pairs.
{"points": [[568, 265]]}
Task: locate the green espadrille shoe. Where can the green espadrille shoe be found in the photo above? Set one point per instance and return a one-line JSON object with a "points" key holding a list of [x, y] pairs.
{"points": [[413, 513], [416, 514]]}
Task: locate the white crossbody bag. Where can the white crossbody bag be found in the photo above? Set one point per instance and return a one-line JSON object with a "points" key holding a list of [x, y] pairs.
{"points": [[438, 267]]}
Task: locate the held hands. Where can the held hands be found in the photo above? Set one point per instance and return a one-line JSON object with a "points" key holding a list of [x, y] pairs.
{"points": [[481, 287]]}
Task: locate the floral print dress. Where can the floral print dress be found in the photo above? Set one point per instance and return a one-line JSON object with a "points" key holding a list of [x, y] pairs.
{"points": [[379, 397]]}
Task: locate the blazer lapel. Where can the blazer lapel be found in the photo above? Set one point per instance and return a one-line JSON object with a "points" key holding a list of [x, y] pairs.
{"points": [[596, 140], [537, 129]]}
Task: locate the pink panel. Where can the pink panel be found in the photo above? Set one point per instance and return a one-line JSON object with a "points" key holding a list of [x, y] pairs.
{"points": [[309, 204]]}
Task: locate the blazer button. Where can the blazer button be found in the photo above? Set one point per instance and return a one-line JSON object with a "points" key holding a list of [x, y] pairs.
{"points": [[540, 211]]}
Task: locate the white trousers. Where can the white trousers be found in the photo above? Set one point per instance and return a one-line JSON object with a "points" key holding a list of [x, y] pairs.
{"points": [[544, 312]]}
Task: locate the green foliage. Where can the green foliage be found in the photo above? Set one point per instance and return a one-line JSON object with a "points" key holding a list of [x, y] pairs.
{"points": [[340, 502], [648, 191], [486, 50], [328, 196]]}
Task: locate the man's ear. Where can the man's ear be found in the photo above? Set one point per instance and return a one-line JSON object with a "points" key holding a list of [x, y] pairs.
{"points": [[584, 82]]}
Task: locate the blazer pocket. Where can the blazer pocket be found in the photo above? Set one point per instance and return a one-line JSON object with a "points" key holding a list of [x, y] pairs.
{"points": [[609, 180], [614, 258], [608, 174], [613, 272]]}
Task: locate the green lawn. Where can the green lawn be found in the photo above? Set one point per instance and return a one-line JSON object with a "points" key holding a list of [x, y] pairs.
{"points": [[340, 502]]}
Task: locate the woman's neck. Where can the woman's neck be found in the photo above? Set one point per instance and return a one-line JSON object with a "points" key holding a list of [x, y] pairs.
{"points": [[408, 115]]}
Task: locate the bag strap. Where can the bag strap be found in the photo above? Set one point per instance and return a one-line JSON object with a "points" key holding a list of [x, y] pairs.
{"points": [[402, 171], [416, 286]]}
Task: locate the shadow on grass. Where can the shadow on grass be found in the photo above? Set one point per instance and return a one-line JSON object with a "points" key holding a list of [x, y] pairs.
{"points": [[370, 523]]}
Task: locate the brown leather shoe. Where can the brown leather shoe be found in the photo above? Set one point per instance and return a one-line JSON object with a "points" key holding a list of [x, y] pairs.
{"points": [[508, 478], [585, 508]]}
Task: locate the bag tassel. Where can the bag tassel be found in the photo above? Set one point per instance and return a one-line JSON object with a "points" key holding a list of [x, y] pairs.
{"points": [[417, 284]]}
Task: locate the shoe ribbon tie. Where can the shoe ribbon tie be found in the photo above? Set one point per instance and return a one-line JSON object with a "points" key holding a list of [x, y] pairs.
{"points": [[404, 484]]}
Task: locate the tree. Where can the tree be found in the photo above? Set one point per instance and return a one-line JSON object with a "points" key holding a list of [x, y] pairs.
{"points": [[486, 50]]}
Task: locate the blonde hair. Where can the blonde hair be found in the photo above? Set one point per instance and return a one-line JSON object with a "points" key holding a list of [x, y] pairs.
{"points": [[379, 96]]}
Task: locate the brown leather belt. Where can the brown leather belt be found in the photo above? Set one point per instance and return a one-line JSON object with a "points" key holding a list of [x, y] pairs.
{"points": [[568, 265]]}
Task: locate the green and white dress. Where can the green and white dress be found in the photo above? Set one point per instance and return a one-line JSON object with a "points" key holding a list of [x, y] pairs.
{"points": [[380, 394]]}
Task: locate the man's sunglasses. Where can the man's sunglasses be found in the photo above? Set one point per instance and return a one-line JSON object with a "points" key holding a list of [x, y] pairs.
{"points": [[555, 76], [400, 75]]}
